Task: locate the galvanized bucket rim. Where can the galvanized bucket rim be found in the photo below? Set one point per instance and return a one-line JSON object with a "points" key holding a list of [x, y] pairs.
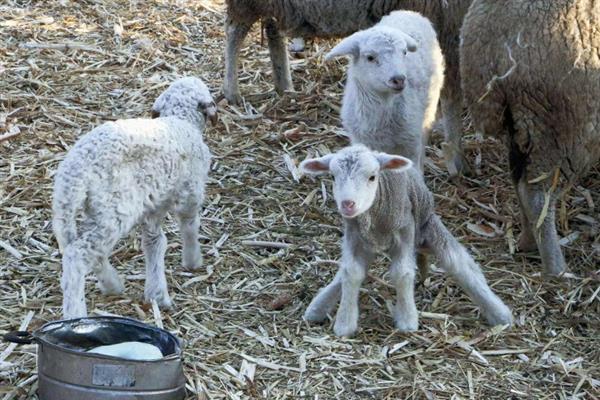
{"points": [[36, 336]]}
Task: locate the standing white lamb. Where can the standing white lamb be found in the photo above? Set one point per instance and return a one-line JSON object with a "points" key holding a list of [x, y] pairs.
{"points": [[127, 172], [394, 84], [338, 18], [388, 209]]}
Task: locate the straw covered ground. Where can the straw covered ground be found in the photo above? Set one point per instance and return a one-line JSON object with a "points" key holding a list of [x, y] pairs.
{"points": [[66, 66]]}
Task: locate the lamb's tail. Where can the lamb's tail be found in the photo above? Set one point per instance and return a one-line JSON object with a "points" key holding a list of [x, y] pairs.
{"points": [[68, 200]]}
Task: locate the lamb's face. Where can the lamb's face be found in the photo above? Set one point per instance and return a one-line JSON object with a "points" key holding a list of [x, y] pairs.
{"points": [[379, 58], [356, 171]]}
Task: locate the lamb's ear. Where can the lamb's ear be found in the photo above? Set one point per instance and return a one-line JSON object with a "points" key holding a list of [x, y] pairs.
{"points": [[316, 166], [158, 105], [348, 46], [411, 44], [393, 162]]}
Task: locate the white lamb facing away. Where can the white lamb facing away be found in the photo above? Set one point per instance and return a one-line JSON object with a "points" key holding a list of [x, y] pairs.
{"points": [[127, 172], [394, 83], [388, 209]]}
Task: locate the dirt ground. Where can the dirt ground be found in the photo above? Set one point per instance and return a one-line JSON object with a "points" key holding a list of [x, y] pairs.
{"points": [[67, 66]]}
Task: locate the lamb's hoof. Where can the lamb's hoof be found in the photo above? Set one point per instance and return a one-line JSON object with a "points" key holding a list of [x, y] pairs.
{"points": [[526, 242], [313, 314], [345, 329], [162, 299], [193, 266], [406, 323], [500, 316], [114, 287]]}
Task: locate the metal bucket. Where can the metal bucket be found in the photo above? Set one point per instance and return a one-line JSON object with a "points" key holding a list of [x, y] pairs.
{"points": [[66, 371]]}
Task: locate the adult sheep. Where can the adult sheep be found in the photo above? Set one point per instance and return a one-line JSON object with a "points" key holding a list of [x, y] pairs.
{"points": [[337, 18], [532, 76]]}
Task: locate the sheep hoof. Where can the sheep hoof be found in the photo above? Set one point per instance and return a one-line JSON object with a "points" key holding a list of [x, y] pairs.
{"points": [[456, 164], [193, 266], [314, 315], [234, 99], [407, 323], [526, 242], [554, 267], [343, 329], [501, 316], [114, 287], [162, 299]]}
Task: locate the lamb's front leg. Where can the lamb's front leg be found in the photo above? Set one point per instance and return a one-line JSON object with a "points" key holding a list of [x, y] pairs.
{"points": [[154, 243], [353, 271], [402, 274], [456, 261]]}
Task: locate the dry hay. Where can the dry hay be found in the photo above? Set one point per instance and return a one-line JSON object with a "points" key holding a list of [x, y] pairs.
{"points": [[241, 319]]}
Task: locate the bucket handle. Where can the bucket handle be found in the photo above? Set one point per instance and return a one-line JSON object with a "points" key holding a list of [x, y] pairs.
{"points": [[19, 337]]}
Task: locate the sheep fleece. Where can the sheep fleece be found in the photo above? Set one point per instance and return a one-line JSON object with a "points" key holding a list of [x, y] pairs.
{"points": [[130, 167], [546, 100]]}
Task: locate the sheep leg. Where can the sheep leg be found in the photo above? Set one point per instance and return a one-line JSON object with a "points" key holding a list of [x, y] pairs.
{"points": [[279, 57], [546, 237], [75, 265], [80, 257], [459, 264], [154, 243], [526, 238], [453, 152], [402, 274], [353, 270], [325, 300], [109, 281], [235, 33], [189, 223]]}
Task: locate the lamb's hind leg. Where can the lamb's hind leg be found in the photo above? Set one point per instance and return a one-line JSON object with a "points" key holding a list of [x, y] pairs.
{"points": [[235, 33], [279, 57], [154, 243], [457, 262], [109, 281], [325, 300], [75, 265], [402, 274], [532, 200], [189, 223], [80, 257]]}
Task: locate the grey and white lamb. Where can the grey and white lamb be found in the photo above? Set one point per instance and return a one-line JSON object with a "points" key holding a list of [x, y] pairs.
{"points": [[532, 77], [394, 81], [387, 208], [127, 172], [339, 18]]}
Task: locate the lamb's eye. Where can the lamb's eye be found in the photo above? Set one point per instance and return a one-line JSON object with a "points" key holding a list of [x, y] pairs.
{"points": [[404, 52], [372, 178], [371, 58]]}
